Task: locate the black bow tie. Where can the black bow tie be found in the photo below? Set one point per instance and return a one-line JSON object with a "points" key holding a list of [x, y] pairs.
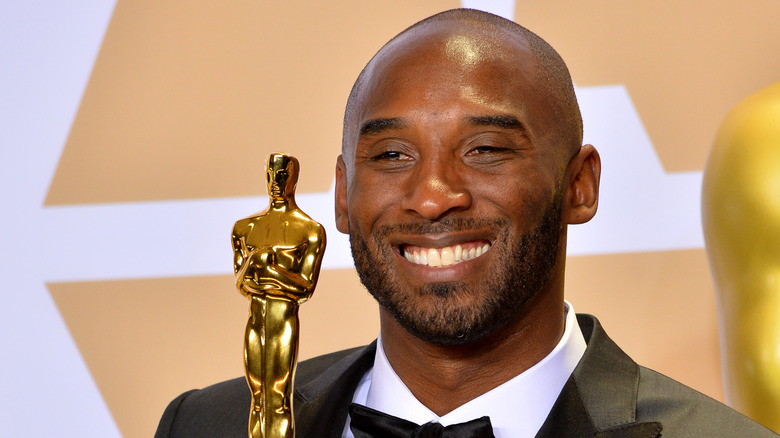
{"points": [[369, 423]]}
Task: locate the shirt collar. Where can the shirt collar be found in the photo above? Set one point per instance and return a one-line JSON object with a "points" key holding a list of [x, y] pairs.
{"points": [[517, 408]]}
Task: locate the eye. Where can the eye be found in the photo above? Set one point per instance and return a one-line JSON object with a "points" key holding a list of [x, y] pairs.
{"points": [[391, 156], [486, 150], [490, 151]]}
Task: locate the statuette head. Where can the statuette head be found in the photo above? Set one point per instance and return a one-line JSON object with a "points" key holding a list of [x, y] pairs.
{"points": [[282, 175]]}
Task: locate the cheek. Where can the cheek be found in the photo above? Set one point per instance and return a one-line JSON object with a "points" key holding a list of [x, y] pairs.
{"points": [[524, 200], [370, 201]]}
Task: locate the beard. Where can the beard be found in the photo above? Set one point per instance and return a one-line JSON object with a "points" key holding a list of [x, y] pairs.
{"points": [[454, 313]]}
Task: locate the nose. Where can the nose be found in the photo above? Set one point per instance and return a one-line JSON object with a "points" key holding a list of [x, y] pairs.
{"points": [[435, 189]]}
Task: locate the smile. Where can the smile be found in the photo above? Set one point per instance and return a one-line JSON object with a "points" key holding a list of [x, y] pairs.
{"points": [[445, 256]]}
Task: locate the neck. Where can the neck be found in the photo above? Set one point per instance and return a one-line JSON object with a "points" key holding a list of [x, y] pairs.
{"points": [[445, 377], [283, 201]]}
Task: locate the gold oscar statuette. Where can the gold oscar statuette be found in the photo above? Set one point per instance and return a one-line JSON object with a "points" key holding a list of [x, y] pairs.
{"points": [[741, 218], [276, 257]]}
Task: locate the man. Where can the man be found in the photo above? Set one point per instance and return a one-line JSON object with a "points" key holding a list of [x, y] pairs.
{"points": [[462, 165]]}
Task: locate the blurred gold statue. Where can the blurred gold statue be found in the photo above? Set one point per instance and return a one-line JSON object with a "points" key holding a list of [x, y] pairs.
{"points": [[277, 257], [741, 217]]}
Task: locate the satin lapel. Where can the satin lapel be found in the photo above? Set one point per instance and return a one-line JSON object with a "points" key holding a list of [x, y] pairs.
{"points": [[599, 399], [568, 417], [325, 392]]}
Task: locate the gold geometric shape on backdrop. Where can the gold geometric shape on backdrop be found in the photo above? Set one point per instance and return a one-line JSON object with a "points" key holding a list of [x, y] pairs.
{"points": [[184, 92], [684, 64], [146, 341]]}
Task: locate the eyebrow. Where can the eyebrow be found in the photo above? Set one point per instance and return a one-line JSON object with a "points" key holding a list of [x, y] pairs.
{"points": [[380, 125], [503, 121], [499, 121]]}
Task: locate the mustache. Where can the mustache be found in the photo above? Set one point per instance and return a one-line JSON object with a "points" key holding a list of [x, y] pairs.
{"points": [[446, 225]]}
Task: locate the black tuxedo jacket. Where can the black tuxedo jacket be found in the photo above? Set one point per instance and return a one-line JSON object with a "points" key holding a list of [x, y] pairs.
{"points": [[607, 395]]}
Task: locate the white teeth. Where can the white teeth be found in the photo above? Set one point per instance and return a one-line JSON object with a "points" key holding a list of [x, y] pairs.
{"points": [[446, 256], [433, 258]]}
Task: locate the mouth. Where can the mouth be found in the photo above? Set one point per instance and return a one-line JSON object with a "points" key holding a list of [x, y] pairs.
{"points": [[444, 256]]}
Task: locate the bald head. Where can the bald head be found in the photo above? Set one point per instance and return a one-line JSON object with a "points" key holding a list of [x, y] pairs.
{"points": [[468, 38]]}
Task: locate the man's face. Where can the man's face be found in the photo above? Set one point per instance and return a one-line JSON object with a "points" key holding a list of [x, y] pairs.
{"points": [[451, 193]]}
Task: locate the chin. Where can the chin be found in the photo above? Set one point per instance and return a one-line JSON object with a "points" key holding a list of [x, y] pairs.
{"points": [[451, 314]]}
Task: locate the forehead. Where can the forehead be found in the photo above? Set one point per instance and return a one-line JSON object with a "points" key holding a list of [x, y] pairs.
{"points": [[280, 163], [434, 68]]}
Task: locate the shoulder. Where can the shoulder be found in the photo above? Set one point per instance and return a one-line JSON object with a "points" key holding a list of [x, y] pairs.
{"points": [[218, 410], [683, 410], [242, 225], [223, 409], [310, 369], [315, 226], [615, 390]]}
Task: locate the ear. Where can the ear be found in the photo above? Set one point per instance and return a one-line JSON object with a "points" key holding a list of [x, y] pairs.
{"points": [[342, 218], [581, 198]]}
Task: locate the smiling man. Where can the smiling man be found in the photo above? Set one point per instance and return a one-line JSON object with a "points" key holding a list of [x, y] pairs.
{"points": [[462, 166]]}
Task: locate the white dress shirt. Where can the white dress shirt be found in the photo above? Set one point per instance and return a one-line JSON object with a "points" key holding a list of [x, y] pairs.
{"points": [[517, 408]]}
